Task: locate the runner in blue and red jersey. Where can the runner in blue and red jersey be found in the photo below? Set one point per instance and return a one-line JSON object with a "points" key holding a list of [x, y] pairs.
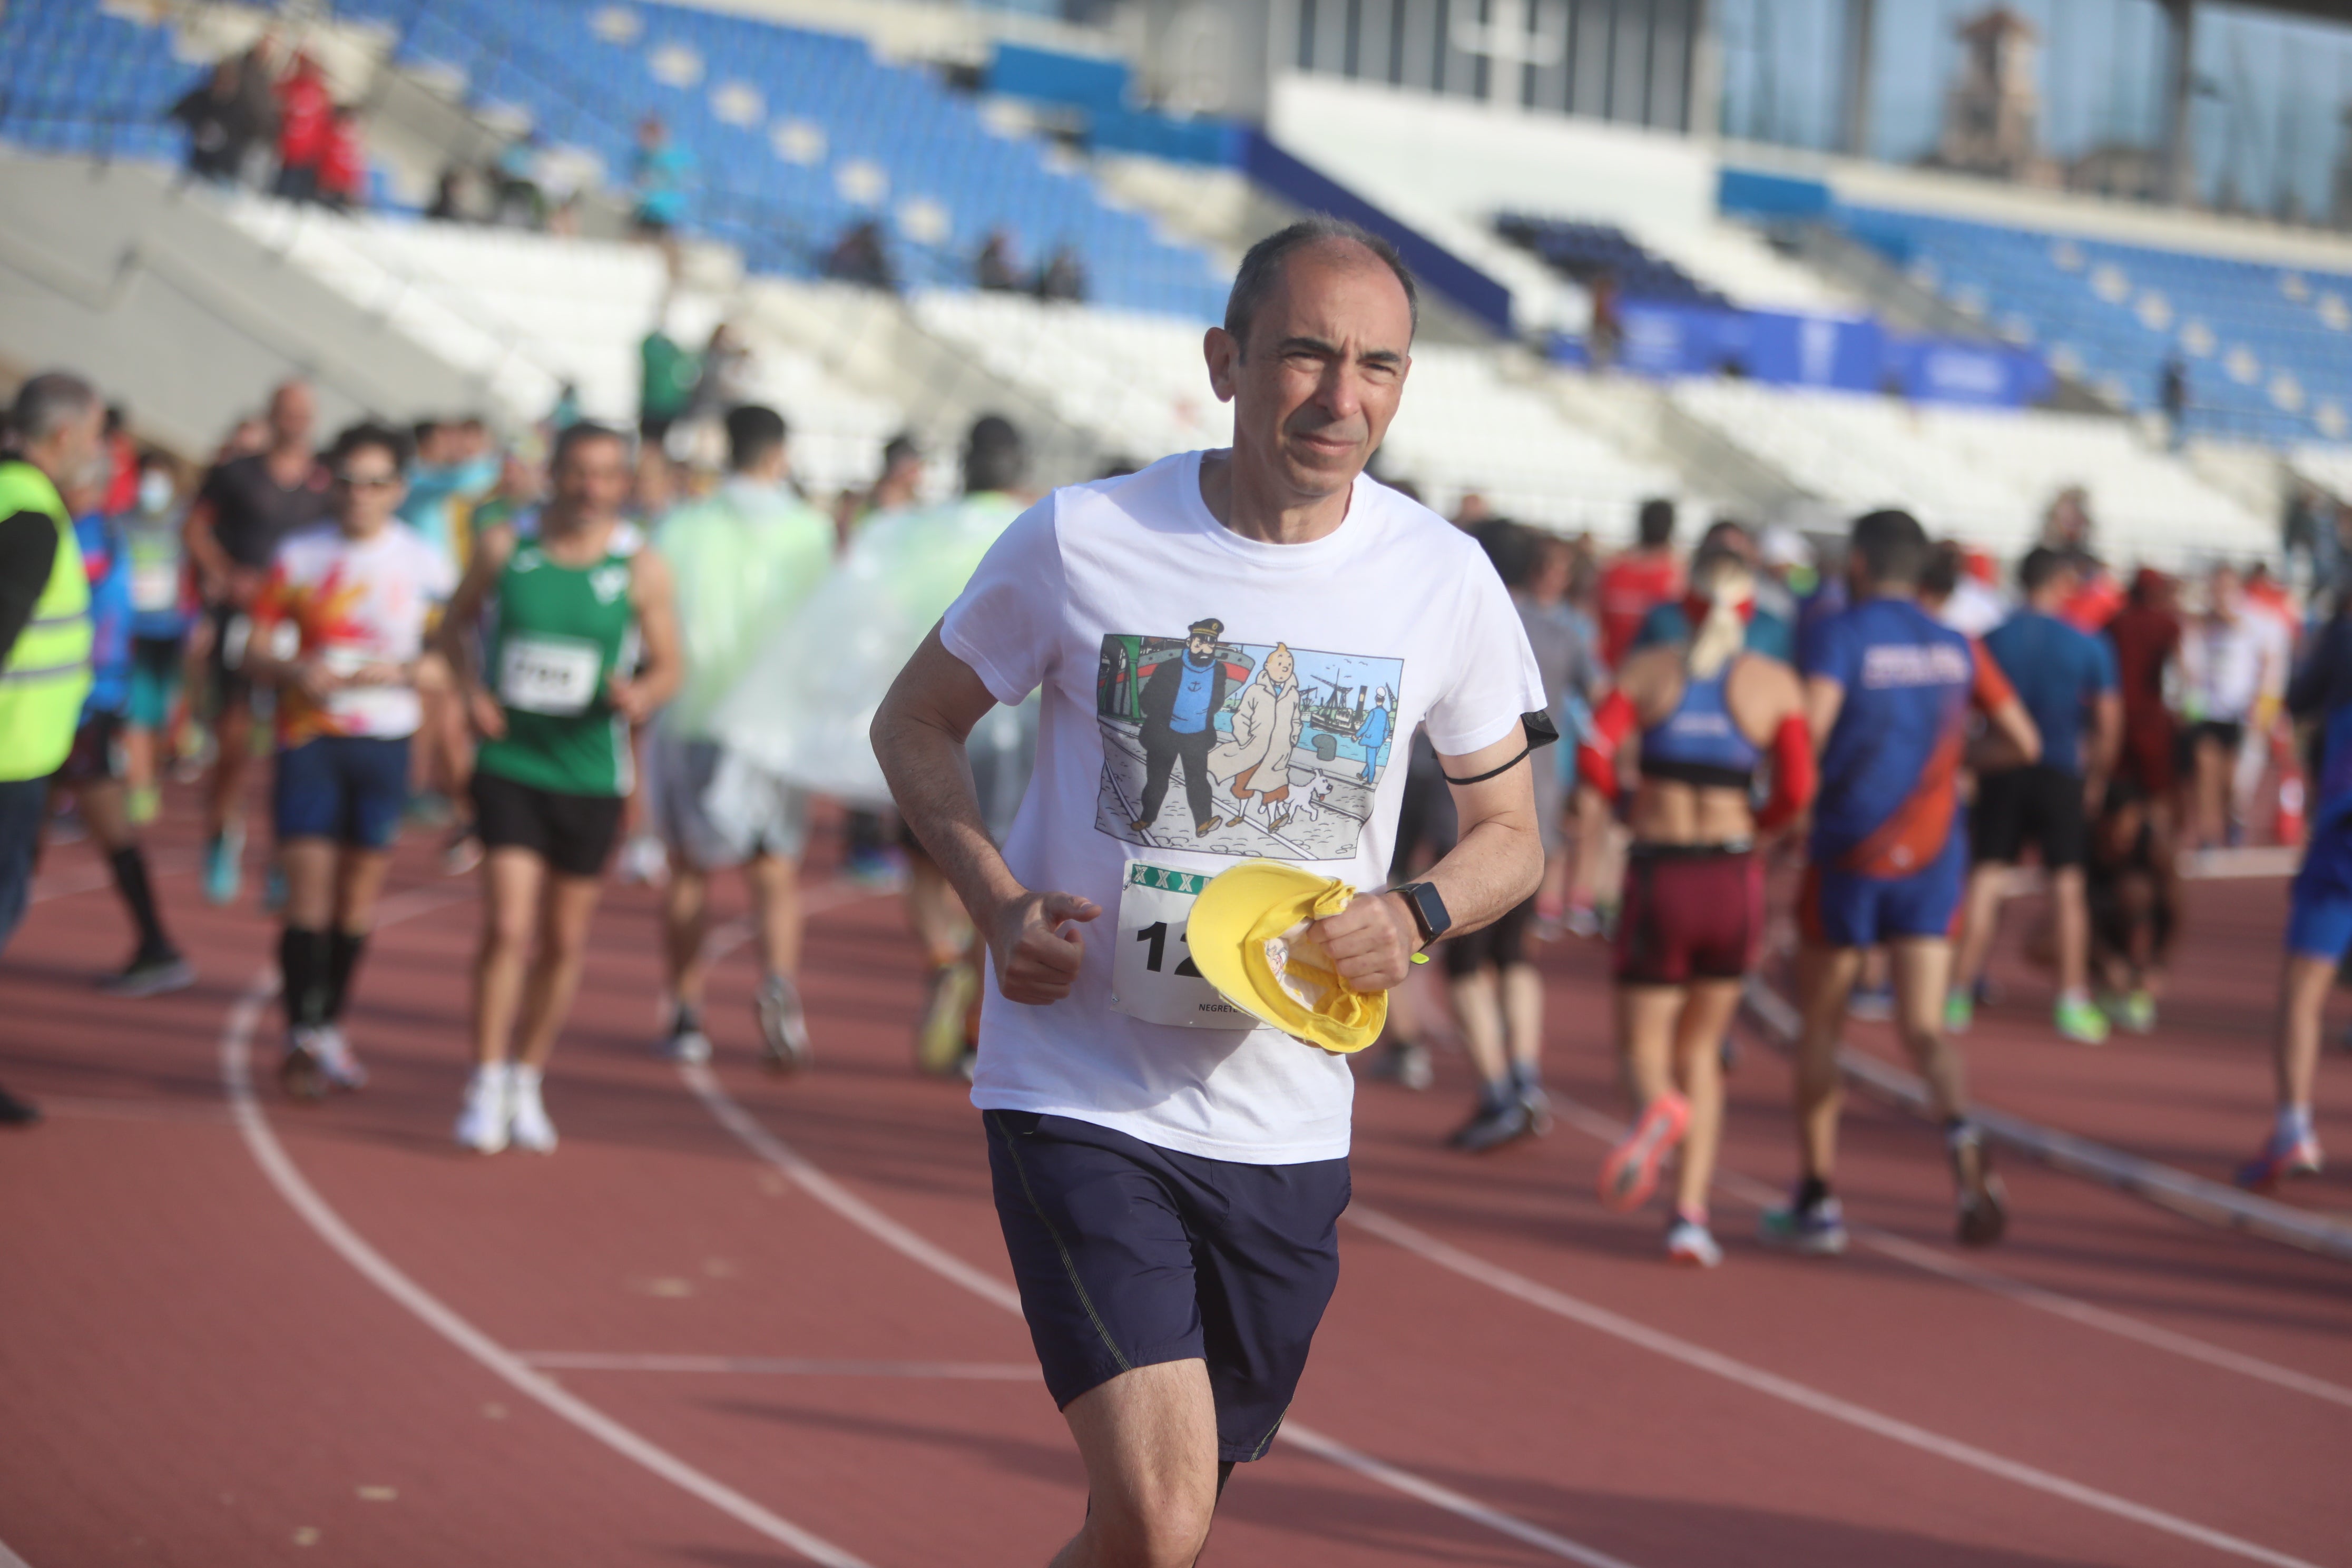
{"points": [[1888, 690]]}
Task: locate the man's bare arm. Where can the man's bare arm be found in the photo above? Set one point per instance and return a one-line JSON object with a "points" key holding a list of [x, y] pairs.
{"points": [[919, 737], [463, 617], [661, 670], [1496, 863]]}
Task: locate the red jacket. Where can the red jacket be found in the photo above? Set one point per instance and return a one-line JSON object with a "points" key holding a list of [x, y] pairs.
{"points": [[305, 115], [343, 166]]}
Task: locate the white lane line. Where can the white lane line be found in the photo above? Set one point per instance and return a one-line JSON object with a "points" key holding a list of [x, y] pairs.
{"points": [[1802, 1395], [236, 1075], [723, 1107], [9, 1559], [778, 1366], [1755, 1194]]}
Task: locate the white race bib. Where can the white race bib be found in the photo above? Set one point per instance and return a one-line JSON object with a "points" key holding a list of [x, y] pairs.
{"points": [[154, 586], [555, 676], [1152, 974]]}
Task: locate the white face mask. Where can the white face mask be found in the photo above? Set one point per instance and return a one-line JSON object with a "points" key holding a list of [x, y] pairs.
{"points": [[154, 492]]}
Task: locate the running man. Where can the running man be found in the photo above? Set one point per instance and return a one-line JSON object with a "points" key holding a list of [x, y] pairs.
{"points": [[153, 545], [581, 642], [744, 560], [2319, 926], [1173, 1320], [92, 772], [246, 505], [1697, 719], [1888, 689], [339, 630], [2065, 677]]}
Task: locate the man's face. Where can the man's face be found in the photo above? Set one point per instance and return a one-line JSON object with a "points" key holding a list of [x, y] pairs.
{"points": [[368, 489], [1313, 389], [293, 410], [593, 480], [1202, 646], [77, 450]]}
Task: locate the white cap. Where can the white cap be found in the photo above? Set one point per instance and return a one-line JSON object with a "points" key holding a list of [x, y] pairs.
{"points": [[1784, 546]]}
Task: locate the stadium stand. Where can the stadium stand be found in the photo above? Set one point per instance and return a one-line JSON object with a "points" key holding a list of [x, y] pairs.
{"points": [[1590, 251], [1983, 475], [77, 78], [2265, 347]]}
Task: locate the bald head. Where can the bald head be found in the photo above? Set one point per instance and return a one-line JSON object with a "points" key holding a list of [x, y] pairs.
{"points": [[293, 414], [1332, 244]]}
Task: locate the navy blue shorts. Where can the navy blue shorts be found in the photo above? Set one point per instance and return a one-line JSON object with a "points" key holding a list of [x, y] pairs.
{"points": [[1130, 1254], [348, 788]]}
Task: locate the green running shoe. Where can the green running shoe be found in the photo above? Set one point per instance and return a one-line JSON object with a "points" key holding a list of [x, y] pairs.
{"points": [[1959, 1012], [2080, 1021]]}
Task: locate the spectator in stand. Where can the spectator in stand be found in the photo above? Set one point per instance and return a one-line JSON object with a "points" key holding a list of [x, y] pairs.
{"points": [[213, 114], [343, 166], [660, 175], [1064, 276], [161, 610], [2172, 396], [305, 127], [994, 270], [519, 202], [257, 92], [452, 196], [1606, 330], [1639, 581], [668, 375], [861, 256]]}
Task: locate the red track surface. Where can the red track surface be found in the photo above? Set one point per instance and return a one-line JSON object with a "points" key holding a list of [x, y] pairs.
{"points": [[194, 1375]]}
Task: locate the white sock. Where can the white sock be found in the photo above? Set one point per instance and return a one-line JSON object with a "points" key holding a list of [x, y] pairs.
{"points": [[2294, 1123], [493, 1073], [526, 1078], [2074, 995]]}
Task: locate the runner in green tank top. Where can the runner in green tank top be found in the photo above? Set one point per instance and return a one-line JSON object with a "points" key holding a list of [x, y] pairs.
{"points": [[579, 640]]}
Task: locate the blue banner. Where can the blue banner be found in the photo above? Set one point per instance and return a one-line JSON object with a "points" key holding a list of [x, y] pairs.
{"points": [[1850, 354]]}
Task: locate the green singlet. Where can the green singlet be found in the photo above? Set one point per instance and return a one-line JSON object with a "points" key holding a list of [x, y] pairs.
{"points": [[557, 635]]}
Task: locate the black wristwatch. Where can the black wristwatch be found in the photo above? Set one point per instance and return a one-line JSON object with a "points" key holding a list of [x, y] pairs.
{"points": [[1428, 910]]}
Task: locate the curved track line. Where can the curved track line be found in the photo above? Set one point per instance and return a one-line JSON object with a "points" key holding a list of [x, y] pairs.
{"points": [[1902, 1249], [723, 1107], [237, 1077], [1674, 1348]]}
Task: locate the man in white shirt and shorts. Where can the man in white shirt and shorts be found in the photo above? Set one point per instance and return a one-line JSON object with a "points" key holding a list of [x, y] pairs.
{"points": [[1170, 1184]]}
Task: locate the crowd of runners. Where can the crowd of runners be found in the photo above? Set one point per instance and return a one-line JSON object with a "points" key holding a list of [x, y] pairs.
{"points": [[1833, 755]]}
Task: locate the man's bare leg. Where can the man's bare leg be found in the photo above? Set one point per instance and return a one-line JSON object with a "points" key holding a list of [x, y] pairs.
{"points": [[1149, 1440], [1825, 977], [775, 885], [512, 880], [1922, 968], [570, 905], [1988, 885]]}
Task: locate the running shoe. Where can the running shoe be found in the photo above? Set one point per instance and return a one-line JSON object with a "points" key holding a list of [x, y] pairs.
{"points": [[1981, 1199], [300, 1073], [16, 1112], [337, 1062], [1582, 921], [1959, 1012], [783, 1025], [685, 1042], [1689, 1242], [527, 1123], [2133, 1011], [2080, 1021], [2280, 1158], [1870, 1004], [1537, 1104], [1819, 1230], [1403, 1064], [939, 1042], [224, 866], [1630, 1174], [487, 1117], [462, 852], [428, 808], [1495, 1123], [151, 974]]}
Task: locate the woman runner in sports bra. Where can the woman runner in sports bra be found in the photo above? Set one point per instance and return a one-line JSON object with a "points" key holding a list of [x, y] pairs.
{"points": [[1693, 722]]}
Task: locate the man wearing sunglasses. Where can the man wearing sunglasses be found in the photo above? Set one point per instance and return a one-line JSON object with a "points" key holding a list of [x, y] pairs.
{"points": [[338, 630]]}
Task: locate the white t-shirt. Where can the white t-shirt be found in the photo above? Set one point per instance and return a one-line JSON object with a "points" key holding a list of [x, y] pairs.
{"points": [[350, 603], [1394, 620]]}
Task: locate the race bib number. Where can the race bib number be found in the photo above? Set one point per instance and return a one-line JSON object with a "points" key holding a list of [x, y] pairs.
{"points": [[154, 586], [554, 676], [1151, 974]]}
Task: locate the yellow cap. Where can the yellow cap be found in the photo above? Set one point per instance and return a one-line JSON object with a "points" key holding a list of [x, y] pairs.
{"points": [[1249, 938]]}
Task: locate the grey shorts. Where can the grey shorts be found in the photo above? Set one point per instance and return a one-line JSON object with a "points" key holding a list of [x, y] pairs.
{"points": [[755, 814]]}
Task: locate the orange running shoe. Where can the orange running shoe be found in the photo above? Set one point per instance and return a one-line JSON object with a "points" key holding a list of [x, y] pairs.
{"points": [[1630, 1174]]}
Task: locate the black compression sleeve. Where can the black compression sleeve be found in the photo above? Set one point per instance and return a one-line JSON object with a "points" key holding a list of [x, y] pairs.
{"points": [[28, 549]]}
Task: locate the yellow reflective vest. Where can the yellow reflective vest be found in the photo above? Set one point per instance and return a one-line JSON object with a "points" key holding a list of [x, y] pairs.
{"points": [[48, 672]]}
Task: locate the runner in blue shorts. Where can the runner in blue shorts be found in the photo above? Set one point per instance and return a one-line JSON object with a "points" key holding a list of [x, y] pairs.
{"points": [[2320, 924], [337, 628], [1888, 689]]}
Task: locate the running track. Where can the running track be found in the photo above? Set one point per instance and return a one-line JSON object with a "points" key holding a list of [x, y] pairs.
{"points": [[738, 1320]]}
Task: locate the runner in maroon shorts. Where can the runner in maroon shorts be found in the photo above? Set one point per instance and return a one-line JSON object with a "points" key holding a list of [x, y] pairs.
{"points": [[1695, 721]]}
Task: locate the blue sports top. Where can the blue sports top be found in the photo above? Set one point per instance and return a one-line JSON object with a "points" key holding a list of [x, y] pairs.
{"points": [[1890, 765], [1698, 743]]}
